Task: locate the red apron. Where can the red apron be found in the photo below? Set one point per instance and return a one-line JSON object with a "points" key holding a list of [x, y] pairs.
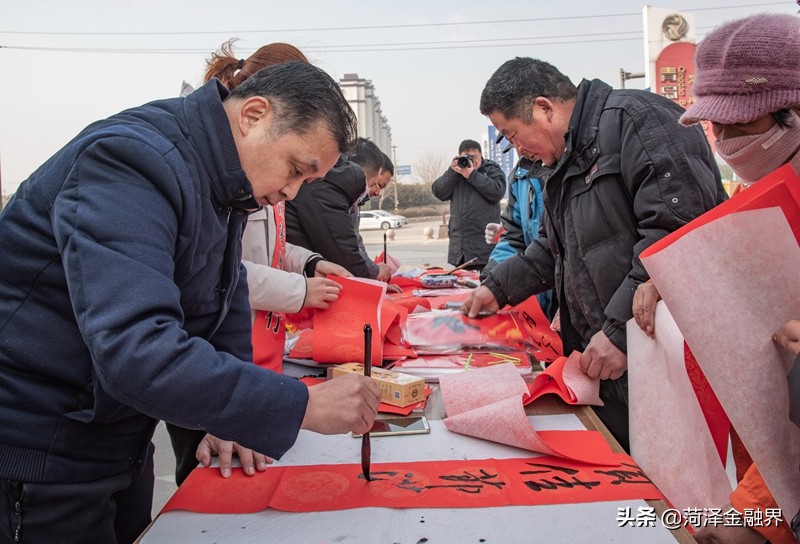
{"points": [[269, 332]]}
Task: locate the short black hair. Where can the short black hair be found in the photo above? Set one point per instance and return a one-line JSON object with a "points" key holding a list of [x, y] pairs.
{"points": [[469, 144], [387, 164], [518, 82], [302, 95], [367, 155]]}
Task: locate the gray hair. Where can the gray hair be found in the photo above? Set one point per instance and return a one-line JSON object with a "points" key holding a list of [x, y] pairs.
{"points": [[518, 82], [302, 95]]}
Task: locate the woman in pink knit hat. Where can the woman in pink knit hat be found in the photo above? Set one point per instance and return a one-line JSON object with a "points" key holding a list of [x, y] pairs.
{"points": [[747, 84]]}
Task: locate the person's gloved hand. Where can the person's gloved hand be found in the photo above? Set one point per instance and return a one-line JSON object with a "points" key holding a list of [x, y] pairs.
{"points": [[493, 232]]}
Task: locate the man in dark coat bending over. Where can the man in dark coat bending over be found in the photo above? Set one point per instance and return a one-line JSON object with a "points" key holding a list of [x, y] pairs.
{"points": [[625, 174], [123, 301]]}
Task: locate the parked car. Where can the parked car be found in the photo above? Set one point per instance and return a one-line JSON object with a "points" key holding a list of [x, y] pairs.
{"points": [[379, 219]]}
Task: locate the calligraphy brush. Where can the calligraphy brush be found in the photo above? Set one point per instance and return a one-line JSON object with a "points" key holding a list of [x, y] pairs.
{"points": [[385, 253], [464, 265], [366, 448]]}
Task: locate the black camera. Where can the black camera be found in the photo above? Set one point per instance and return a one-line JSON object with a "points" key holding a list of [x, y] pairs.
{"points": [[464, 161]]}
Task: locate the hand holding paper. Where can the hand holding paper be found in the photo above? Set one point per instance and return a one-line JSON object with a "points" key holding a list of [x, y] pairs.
{"points": [[320, 292], [644, 306], [565, 378], [326, 268], [602, 359], [730, 332], [481, 300], [788, 337]]}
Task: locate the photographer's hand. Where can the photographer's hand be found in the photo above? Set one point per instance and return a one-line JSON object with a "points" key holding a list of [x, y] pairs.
{"points": [[464, 172]]}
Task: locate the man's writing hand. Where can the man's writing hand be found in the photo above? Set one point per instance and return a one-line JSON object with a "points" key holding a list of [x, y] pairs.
{"points": [[343, 404]]}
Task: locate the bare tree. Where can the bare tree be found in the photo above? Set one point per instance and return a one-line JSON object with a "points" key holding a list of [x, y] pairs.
{"points": [[429, 167]]}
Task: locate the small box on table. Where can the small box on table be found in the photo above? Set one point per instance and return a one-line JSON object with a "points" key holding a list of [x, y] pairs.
{"points": [[397, 389]]}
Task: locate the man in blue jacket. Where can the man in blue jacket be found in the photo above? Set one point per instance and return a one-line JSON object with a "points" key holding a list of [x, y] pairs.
{"points": [[123, 301], [520, 222]]}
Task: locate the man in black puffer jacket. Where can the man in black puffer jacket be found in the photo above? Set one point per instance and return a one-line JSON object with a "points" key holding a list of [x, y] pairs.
{"points": [[319, 218], [625, 174]]}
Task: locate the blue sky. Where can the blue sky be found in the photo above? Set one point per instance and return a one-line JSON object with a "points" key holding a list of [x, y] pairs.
{"points": [[66, 64]]}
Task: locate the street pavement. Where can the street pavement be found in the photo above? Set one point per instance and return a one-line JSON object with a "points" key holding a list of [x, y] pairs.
{"points": [[409, 245]]}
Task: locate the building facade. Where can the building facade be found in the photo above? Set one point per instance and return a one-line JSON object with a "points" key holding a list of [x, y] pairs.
{"points": [[372, 124]]}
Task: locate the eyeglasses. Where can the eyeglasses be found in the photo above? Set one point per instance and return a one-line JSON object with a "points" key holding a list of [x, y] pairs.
{"points": [[508, 139]]}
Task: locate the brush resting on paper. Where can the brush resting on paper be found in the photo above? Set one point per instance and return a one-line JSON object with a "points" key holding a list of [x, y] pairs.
{"points": [[366, 448]]}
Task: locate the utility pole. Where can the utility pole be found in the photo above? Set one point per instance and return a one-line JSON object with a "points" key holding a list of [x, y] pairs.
{"points": [[394, 183], [624, 76]]}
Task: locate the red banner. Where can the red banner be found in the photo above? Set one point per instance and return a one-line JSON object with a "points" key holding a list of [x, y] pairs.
{"points": [[427, 484]]}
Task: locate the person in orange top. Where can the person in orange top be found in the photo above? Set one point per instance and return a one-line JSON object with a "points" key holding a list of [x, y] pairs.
{"points": [[747, 84]]}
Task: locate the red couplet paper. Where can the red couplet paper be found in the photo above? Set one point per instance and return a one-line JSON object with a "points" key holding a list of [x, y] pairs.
{"points": [[565, 378], [717, 420], [728, 279], [546, 340], [393, 316], [304, 345], [426, 484], [778, 189], [487, 403], [339, 330]]}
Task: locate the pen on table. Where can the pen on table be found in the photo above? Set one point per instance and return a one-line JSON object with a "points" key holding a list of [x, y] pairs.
{"points": [[366, 449]]}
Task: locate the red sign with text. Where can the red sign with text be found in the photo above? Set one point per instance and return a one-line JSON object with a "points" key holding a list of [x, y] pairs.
{"points": [[675, 76]]}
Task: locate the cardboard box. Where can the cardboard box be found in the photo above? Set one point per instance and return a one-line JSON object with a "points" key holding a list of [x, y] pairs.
{"points": [[397, 389]]}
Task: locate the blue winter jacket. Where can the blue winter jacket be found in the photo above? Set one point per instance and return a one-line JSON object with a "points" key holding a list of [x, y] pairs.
{"points": [[521, 216], [121, 300]]}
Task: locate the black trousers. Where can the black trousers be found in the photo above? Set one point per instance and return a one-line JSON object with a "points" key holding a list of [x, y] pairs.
{"points": [[184, 445], [111, 510], [614, 415], [614, 393]]}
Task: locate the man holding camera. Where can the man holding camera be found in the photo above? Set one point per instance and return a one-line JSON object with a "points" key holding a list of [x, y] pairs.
{"points": [[474, 187]]}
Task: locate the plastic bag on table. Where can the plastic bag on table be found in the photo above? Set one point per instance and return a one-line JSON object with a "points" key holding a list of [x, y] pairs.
{"points": [[450, 331]]}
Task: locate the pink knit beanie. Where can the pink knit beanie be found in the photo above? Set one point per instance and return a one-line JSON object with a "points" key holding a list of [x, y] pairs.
{"points": [[747, 69]]}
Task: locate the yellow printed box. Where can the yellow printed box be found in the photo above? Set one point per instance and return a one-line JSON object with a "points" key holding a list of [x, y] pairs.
{"points": [[397, 389]]}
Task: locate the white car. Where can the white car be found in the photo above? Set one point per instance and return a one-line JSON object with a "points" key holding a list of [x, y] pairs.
{"points": [[379, 219]]}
